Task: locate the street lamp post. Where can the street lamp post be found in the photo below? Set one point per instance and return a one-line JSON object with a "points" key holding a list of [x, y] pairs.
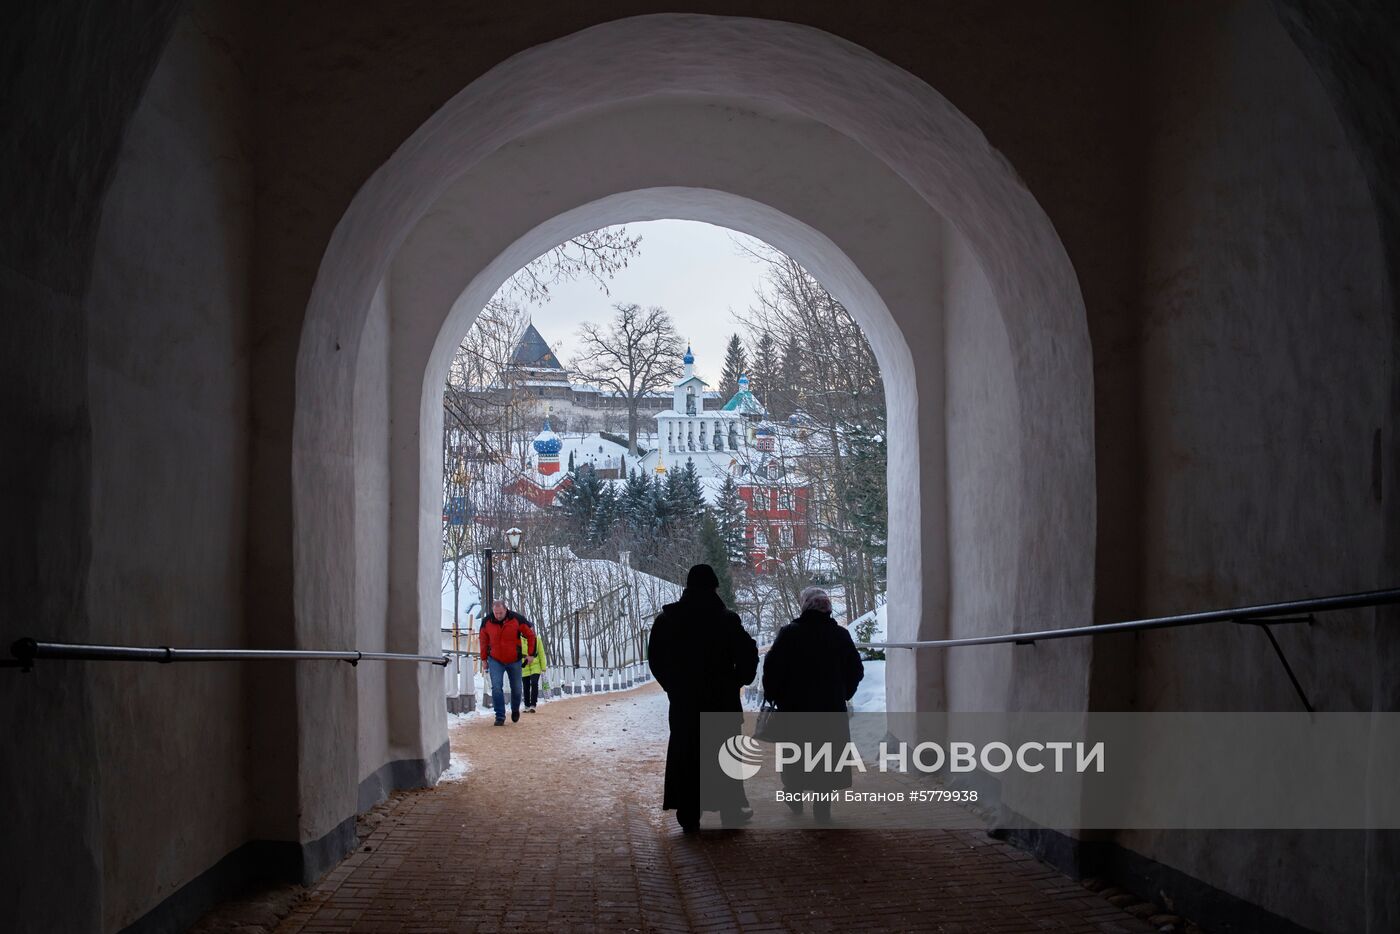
{"points": [[488, 588], [513, 538], [575, 640]]}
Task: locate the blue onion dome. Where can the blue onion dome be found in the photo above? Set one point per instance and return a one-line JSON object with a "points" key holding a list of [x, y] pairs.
{"points": [[689, 357], [547, 443], [743, 381]]}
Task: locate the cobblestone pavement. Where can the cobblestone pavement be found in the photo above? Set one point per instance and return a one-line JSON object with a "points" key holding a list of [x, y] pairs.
{"points": [[583, 846]]}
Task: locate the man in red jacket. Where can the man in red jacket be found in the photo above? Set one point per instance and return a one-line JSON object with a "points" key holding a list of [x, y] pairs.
{"points": [[500, 652]]}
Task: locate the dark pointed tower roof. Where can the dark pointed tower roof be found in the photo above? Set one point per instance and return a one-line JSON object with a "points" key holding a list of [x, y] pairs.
{"points": [[534, 351]]}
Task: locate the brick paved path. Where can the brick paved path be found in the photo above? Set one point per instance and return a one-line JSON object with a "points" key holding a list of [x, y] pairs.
{"points": [[584, 847]]}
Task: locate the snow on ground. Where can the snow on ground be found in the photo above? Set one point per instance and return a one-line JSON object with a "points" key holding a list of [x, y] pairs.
{"points": [[591, 448], [881, 623], [816, 561], [881, 615], [650, 592], [456, 771], [871, 693], [481, 681]]}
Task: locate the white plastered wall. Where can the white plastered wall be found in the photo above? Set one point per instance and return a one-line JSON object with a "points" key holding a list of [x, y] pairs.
{"points": [[984, 483], [763, 71], [881, 263], [167, 370], [371, 531]]}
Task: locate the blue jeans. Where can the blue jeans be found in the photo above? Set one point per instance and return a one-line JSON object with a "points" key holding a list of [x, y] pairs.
{"points": [[498, 671]]}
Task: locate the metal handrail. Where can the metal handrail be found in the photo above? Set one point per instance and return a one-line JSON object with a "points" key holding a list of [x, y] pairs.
{"points": [[26, 651], [1261, 614]]}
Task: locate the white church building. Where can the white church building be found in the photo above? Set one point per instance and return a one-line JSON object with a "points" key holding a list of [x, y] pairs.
{"points": [[717, 441]]}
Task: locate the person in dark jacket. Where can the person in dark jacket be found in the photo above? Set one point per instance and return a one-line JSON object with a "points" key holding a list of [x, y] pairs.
{"points": [[701, 656], [813, 667]]}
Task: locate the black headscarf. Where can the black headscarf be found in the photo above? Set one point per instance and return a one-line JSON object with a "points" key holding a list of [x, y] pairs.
{"points": [[701, 586], [701, 577]]}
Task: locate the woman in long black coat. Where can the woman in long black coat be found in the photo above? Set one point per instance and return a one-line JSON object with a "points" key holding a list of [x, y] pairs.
{"points": [[813, 667], [701, 656]]}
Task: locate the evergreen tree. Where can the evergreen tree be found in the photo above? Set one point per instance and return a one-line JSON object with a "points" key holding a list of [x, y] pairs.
{"points": [[765, 369], [579, 502], [731, 517], [864, 495], [736, 364], [714, 553], [652, 540], [571, 461], [604, 516], [685, 498], [636, 507]]}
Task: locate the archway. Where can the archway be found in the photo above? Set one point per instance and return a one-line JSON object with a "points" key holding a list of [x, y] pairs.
{"points": [[434, 270], [951, 222]]}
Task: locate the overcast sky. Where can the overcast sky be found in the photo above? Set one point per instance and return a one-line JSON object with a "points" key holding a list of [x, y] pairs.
{"points": [[695, 271]]}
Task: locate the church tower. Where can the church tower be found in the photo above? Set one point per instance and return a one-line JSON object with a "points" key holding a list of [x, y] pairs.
{"points": [[688, 394], [547, 445]]}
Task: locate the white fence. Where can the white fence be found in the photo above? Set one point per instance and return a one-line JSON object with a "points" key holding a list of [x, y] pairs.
{"points": [[468, 688]]}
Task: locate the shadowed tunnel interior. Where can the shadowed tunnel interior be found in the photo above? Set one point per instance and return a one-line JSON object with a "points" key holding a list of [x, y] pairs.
{"points": [[1130, 272]]}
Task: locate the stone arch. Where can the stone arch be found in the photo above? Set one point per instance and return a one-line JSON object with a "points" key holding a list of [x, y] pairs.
{"points": [[770, 71]]}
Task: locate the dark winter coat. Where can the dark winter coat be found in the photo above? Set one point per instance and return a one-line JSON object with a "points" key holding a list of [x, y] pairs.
{"points": [[813, 667], [701, 656]]}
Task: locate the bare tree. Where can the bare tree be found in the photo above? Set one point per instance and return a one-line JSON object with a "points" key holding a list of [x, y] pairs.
{"points": [[591, 612], [487, 418], [832, 387], [636, 353], [480, 400], [597, 255]]}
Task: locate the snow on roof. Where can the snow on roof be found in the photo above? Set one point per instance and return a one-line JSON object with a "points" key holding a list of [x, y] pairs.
{"points": [[745, 402]]}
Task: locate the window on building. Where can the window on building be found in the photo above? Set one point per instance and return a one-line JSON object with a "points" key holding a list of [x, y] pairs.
{"points": [[785, 536], [785, 500]]}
